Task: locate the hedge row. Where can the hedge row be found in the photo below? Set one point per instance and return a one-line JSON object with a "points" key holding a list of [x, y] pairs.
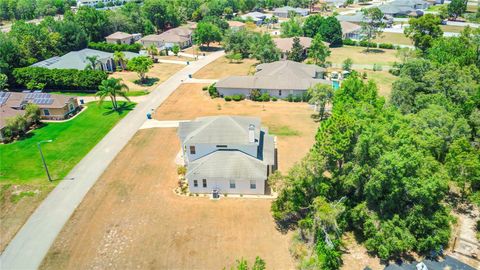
{"points": [[58, 79], [364, 43], [234, 98], [112, 47]]}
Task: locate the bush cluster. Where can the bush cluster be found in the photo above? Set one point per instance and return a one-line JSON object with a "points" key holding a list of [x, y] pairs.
{"points": [[212, 91], [298, 98], [238, 97], [58, 79], [364, 43], [112, 47]]}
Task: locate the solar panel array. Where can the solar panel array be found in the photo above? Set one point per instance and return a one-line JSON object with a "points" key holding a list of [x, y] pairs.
{"points": [[39, 98], [4, 97]]}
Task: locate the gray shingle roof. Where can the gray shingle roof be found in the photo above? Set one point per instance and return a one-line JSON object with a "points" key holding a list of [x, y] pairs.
{"points": [[77, 59], [218, 130], [228, 165], [278, 75]]}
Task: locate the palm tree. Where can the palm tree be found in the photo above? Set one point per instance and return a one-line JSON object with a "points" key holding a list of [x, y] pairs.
{"points": [[152, 50], [112, 88], [92, 62], [119, 57]]}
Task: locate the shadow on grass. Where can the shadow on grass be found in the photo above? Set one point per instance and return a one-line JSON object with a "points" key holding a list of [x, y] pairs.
{"points": [[210, 49], [147, 82], [122, 107], [373, 50]]}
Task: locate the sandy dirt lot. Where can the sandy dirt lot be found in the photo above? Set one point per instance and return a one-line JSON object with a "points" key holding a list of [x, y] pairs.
{"points": [[222, 67], [161, 71], [131, 219], [189, 102]]}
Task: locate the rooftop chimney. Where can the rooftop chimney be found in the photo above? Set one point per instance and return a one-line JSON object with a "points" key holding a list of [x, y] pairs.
{"points": [[251, 133]]}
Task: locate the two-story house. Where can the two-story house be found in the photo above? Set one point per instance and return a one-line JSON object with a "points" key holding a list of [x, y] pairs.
{"points": [[227, 154]]}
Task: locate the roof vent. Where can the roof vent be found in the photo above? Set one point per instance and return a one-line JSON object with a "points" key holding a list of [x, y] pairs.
{"points": [[251, 133]]}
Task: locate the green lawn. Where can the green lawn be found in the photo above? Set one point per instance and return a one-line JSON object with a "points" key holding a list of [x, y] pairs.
{"points": [[134, 93], [72, 140]]}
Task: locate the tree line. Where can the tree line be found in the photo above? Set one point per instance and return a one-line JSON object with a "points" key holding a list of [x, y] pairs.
{"points": [[384, 170]]}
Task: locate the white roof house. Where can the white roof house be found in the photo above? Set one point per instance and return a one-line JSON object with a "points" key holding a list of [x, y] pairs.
{"points": [[257, 17], [78, 60], [279, 79], [284, 12], [122, 38], [227, 154]]}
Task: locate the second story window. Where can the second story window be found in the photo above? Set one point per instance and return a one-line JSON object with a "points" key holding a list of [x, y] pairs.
{"points": [[204, 183], [192, 150], [195, 183]]}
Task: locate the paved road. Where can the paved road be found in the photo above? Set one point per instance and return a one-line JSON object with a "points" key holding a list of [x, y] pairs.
{"points": [[32, 242]]}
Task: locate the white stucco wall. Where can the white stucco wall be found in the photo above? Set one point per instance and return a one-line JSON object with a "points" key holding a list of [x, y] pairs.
{"points": [[242, 186], [205, 149], [246, 92]]}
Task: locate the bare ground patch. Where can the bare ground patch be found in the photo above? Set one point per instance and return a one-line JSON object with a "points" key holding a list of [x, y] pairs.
{"points": [[222, 67]]}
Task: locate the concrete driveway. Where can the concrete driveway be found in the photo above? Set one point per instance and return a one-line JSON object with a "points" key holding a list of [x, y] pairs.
{"points": [[32, 242]]}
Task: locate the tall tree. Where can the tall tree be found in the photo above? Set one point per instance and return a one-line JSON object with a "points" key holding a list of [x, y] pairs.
{"points": [[456, 8], [207, 33], [291, 28], [161, 13], [296, 53], [264, 49], [318, 51], [321, 95], [112, 88], [373, 25], [424, 30], [141, 65]]}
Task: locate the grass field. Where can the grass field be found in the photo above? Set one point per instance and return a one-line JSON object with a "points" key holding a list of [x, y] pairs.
{"points": [[452, 28], [361, 57], [72, 140], [222, 67], [394, 38]]}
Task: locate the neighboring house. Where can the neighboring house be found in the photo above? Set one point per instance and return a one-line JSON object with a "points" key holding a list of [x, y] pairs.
{"points": [[257, 17], [227, 154], [359, 18], [93, 3], [285, 45], [284, 12], [236, 25], [79, 60], [334, 3], [280, 79], [351, 30], [404, 8], [52, 106], [122, 38], [181, 36], [447, 262]]}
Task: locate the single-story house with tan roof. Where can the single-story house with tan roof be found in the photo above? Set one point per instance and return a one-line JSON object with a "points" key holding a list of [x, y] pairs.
{"points": [[351, 30], [285, 45], [122, 38], [236, 25], [280, 79], [181, 36], [52, 106]]}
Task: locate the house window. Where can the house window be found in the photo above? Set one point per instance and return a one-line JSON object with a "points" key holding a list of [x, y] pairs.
{"points": [[253, 184], [192, 150], [232, 184], [195, 183], [279, 92], [204, 183], [46, 112]]}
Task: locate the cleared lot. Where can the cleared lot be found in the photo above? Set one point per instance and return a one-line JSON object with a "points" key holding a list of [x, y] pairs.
{"points": [[222, 67], [132, 218], [360, 56]]}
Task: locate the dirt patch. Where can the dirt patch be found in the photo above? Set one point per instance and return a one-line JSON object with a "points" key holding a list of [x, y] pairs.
{"points": [[189, 102], [222, 67], [17, 203], [161, 71], [131, 219], [356, 256]]}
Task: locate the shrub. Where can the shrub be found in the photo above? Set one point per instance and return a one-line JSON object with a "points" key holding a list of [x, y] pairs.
{"points": [[274, 99], [205, 88], [386, 46], [290, 98], [255, 94], [306, 96], [181, 170], [212, 91], [265, 97], [347, 64], [238, 97], [59, 79], [350, 42], [297, 98], [228, 98], [112, 47], [365, 43], [377, 67]]}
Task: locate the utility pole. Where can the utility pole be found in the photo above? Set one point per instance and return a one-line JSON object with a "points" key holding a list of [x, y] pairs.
{"points": [[43, 159]]}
